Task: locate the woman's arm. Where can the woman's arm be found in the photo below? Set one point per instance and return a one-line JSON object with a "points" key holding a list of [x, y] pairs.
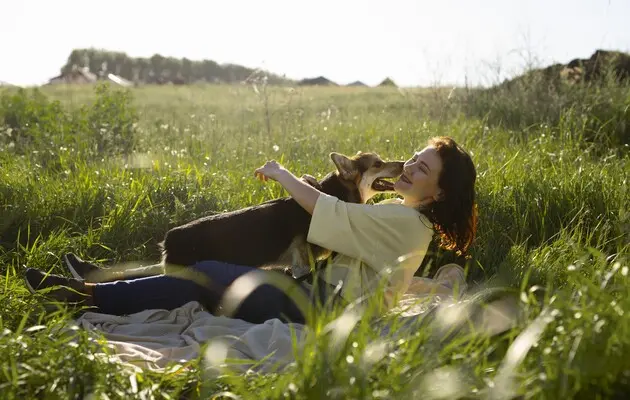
{"points": [[305, 194]]}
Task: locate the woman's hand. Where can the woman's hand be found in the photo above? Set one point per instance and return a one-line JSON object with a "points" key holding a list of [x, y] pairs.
{"points": [[271, 170], [300, 189]]}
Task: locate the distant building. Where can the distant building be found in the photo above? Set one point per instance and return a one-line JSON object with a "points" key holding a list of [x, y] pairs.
{"points": [[119, 80], [78, 75], [388, 82], [357, 84], [319, 81]]}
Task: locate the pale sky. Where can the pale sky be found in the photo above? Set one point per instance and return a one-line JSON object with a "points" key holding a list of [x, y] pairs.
{"points": [[416, 42]]}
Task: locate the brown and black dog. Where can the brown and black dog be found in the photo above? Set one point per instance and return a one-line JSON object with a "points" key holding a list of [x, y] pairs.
{"points": [[273, 234]]}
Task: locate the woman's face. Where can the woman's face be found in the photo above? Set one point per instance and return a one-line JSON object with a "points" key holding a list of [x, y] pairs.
{"points": [[418, 183]]}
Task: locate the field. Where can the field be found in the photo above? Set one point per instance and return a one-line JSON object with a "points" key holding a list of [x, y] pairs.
{"points": [[105, 173]]}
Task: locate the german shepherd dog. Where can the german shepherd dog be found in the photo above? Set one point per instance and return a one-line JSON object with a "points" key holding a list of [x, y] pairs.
{"points": [[273, 234]]}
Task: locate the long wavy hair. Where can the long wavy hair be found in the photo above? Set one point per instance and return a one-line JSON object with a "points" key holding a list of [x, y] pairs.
{"points": [[454, 214]]}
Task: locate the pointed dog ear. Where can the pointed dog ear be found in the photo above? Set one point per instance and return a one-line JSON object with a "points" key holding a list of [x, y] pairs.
{"points": [[345, 166]]}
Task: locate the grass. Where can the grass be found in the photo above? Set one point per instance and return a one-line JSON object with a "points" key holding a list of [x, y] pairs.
{"points": [[554, 233]]}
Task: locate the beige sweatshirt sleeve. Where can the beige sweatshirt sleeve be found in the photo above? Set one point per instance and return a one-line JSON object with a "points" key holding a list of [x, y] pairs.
{"points": [[375, 234]]}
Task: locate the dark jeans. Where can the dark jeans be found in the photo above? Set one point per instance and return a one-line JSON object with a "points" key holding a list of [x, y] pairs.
{"points": [[206, 282]]}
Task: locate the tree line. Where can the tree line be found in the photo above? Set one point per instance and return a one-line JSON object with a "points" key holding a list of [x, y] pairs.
{"points": [[159, 69]]}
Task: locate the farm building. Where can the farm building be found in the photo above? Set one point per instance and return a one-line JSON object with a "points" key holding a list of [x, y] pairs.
{"points": [[319, 81], [388, 82], [75, 76], [119, 80]]}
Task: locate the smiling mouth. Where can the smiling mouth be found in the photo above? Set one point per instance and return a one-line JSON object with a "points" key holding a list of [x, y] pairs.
{"points": [[382, 185]]}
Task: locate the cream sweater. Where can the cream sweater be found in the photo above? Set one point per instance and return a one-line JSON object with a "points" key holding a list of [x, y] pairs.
{"points": [[383, 240]]}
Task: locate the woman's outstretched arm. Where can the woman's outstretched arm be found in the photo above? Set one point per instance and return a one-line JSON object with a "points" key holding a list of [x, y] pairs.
{"points": [[305, 194]]}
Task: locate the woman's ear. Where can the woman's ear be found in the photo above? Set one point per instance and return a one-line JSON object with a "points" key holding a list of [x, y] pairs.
{"points": [[345, 166], [439, 195]]}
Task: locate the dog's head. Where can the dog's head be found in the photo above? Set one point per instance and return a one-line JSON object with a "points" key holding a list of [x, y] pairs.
{"points": [[368, 172]]}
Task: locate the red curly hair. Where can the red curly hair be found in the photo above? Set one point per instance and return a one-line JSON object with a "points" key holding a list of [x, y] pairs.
{"points": [[454, 214]]}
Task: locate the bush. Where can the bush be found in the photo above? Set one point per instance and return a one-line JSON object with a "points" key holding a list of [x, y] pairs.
{"points": [[30, 121], [599, 112], [111, 121]]}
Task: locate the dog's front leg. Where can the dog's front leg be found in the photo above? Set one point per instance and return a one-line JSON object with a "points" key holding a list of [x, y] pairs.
{"points": [[300, 263]]}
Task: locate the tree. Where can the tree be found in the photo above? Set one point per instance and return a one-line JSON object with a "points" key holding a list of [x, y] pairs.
{"points": [[159, 69], [157, 65], [187, 70]]}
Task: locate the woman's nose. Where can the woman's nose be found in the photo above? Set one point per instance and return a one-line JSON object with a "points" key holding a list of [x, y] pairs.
{"points": [[408, 164]]}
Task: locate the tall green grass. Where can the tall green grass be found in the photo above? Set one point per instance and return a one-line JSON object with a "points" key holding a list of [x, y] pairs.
{"points": [[105, 173]]}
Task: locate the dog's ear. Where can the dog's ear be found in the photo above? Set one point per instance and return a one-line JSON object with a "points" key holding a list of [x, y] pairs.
{"points": [[345, 166]]}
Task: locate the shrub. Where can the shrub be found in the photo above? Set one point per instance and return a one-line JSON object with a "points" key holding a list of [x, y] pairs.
{"points": [[30, 120], [598, 111], [111, 121]]}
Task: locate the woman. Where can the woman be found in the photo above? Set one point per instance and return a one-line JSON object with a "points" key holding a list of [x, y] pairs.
{"points": [[388, 239]]}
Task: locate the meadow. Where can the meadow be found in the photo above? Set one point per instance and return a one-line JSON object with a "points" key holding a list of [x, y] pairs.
{"points": [[104, 173]]}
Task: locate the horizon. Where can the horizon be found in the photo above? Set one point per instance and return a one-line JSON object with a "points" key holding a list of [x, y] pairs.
{"points": [[419, 43]]}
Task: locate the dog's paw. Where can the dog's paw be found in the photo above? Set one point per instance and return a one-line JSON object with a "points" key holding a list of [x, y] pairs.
{"points": [[311, 180]]}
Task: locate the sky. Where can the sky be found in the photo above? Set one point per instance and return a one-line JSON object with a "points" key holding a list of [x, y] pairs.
{"points": [[415, 42]]}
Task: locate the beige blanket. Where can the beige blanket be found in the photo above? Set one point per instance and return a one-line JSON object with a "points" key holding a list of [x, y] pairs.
{"points": [[154, 338]]}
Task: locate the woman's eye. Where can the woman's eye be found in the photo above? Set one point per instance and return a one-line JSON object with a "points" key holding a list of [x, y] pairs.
{"points": [[378, 164]]}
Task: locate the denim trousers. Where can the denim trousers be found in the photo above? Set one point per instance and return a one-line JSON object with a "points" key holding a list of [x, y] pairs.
{"points": [[206, 282]]}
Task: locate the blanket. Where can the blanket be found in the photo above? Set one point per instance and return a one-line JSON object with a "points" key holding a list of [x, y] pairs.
{"points": [[153, 339]]}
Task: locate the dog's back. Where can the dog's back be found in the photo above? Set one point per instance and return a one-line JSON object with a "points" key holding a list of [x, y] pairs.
{"points": [[256, 236], [274, 233]]}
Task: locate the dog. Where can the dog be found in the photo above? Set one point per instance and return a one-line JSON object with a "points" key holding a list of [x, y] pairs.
{"points": [[273, 234]]}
